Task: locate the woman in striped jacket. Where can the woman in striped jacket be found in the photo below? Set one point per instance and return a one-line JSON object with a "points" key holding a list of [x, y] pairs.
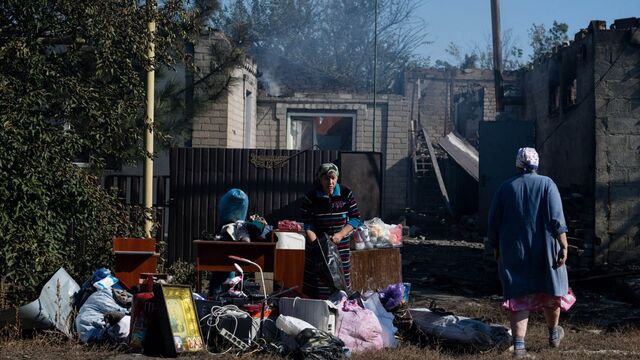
{"points": [[331, 209]]}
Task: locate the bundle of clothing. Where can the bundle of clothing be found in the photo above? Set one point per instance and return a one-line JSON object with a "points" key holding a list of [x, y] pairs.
{"points": [[104, 309]]}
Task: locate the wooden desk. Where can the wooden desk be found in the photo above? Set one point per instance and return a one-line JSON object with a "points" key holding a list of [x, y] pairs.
{"points": [[214, 256], [134, 256]]}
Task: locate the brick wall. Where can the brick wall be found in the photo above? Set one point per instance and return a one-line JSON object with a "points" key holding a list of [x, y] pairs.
{"points": [[391, 135], [236, 100], [221, 122], [267, 126], [209, 120]]}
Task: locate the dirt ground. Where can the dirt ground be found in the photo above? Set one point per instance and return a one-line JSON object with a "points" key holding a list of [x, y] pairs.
{"points": [[453, 275]]}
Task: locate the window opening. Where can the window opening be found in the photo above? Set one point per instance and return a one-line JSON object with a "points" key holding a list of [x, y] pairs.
{"points": [[328, 131]]}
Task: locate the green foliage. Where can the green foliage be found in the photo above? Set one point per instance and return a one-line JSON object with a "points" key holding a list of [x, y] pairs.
{"points": [[482, 57], [329, 43], [71, 84], [543, 41], [183, 272]]}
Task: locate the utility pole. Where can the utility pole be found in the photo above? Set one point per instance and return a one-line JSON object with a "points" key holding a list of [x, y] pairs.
{"points": [[497, 55], [375, 72], [148, 123]]}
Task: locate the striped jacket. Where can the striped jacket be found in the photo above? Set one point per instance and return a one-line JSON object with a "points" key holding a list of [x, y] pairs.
{"points": [[328, 214]]}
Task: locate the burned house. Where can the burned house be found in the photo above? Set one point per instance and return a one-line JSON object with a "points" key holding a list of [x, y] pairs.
{"points": [[450, 103], [585, 102], [579, 106], [345, 122]]}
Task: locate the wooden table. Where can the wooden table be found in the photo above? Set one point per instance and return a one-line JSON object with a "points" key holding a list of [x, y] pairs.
{"points": [[370, 269], [214, 256], [375, 269]]}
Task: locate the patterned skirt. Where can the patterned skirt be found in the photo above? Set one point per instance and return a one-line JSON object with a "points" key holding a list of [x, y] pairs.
{"points": [[537, 302]]}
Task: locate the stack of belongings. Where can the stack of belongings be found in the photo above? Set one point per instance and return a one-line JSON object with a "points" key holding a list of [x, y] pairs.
{"points": [[341, 325], [232, 217], [104, 314]]}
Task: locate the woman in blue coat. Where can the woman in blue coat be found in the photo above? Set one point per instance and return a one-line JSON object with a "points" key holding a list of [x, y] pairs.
{"points": [[528, 233]]}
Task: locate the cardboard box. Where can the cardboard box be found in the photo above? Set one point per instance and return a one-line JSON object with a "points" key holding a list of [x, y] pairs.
{"points": [[319, 313], [288, 240]]}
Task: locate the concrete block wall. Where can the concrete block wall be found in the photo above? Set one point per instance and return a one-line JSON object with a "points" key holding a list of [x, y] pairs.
{"points": [[391, 134], [617, 138], [564, 137], [565, 133], [591, 140]]}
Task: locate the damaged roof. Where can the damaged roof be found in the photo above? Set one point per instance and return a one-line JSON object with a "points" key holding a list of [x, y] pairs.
{"points": [[463, 153]]}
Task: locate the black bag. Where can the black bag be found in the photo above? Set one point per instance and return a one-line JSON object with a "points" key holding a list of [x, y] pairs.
{"points": [[325, 253], [318, 345]]}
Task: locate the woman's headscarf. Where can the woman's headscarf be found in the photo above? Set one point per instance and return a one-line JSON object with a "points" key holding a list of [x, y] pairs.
{"points": [[527, 158], [327, 169]]}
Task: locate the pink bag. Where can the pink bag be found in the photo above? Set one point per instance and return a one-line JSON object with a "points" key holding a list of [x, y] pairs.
{"points": [[396, 235], [289, 225], [358, 328]]}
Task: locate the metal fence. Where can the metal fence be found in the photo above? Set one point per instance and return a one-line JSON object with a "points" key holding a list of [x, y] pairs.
{"points": [[129, 189], [274, 180]]}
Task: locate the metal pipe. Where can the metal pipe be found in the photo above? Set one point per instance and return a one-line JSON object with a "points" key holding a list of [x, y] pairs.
{"points": [[375, 72], [148, 138], [497, 55]]}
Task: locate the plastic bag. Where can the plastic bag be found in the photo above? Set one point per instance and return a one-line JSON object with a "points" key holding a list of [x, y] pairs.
{"points": [[358, 239], [384, 317], [325, 252], [233, 206], [291, 325], [359, 328], [318, 345], [384, 235], [395, 237], [392, 296]]}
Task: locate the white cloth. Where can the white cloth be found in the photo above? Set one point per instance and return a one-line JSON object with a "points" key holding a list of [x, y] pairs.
{"points": [[527, 158]]}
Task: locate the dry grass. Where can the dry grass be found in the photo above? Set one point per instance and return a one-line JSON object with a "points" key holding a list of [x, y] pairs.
{"points": [[585, 325], [581, 342]]}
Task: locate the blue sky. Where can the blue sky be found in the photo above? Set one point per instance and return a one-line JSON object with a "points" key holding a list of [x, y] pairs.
{"points": [[468, 22]]}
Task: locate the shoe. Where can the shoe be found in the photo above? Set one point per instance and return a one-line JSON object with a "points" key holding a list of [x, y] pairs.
{"points": [[522, 354], [554, 341]]}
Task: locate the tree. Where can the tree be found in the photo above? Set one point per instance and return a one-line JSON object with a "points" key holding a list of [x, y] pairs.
{"points": [[482, 57], [71, 84], [543, 41], [328, 43]]}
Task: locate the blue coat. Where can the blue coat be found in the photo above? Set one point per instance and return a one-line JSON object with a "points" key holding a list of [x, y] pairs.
{"points": [[525, 220]]}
